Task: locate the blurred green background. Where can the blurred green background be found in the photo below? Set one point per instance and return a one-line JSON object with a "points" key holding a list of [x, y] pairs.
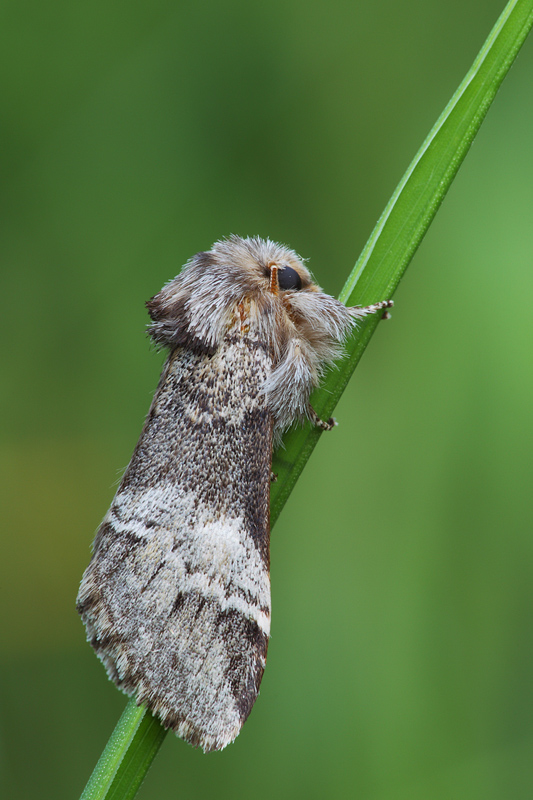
{"points": [[132, 136]]}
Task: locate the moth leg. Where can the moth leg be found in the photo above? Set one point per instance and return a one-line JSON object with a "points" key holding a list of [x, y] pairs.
{"points": [[320, 423], [273, 477], [363, 311]]}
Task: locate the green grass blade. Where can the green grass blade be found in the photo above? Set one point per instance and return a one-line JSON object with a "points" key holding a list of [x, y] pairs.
{"points": [[127, 756], [404, 222], [398, 233], [143, 749]]}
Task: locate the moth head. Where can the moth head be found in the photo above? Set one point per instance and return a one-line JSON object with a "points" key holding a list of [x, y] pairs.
{"points": [[260, 267], [196, 308]]}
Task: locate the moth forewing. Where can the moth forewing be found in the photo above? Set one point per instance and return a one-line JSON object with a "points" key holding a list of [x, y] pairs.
{"points": [[176, 598]]}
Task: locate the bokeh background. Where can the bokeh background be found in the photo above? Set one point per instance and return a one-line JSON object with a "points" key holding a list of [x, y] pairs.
{"points": [[134, 134]]}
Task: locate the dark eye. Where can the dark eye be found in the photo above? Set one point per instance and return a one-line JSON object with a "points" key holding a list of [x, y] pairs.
{"points": [[288, 278]]}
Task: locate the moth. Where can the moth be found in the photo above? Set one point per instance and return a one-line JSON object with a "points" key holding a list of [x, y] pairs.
{"points": [[176, 598]]}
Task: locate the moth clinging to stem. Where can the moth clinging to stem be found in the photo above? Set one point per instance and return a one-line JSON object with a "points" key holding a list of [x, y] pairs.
{"points": [[176, 598]]}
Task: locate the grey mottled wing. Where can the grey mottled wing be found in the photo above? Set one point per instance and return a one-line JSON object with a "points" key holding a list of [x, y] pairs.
{"points": [[176, 599]]}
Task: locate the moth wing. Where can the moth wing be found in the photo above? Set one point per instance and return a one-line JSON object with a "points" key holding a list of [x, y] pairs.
{"points": [[176, 599]]}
